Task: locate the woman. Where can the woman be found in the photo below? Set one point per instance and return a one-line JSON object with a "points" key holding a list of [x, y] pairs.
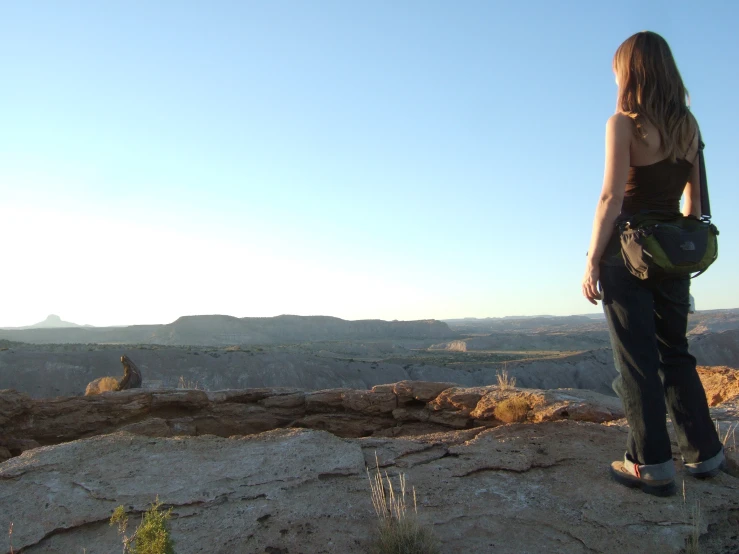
{"points": [[651, 160]]}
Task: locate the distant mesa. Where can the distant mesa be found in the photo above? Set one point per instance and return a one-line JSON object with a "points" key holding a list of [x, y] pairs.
{"points": [[223, 330], [583, 332], [53, 321]]}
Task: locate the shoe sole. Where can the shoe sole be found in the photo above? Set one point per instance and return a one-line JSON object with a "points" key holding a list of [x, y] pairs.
{"points": [[667, 489]]}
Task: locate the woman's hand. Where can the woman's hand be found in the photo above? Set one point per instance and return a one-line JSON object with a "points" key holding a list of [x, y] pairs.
{"points": [[590, 284]]}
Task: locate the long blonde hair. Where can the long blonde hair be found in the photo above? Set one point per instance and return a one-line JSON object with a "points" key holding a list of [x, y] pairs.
{"points": [[651, 89]]}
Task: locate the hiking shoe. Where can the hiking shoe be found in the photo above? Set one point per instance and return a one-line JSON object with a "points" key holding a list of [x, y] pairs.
{"points": [[658, 487]]}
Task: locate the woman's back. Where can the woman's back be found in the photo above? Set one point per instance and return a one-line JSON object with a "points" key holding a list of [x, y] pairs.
{"points": [[648, 150], [655, 182]]}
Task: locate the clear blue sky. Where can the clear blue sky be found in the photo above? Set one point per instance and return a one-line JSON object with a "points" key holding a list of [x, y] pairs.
{"points": [[363, 159]]}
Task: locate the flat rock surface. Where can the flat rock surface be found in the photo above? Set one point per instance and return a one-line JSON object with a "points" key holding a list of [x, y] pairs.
{"points": [[518, 488]]}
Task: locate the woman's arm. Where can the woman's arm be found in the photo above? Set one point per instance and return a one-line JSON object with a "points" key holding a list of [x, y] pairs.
{"points": [[619, 131], [692, 204]]}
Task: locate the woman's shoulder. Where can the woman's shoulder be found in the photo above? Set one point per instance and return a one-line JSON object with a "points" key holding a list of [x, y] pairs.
{"points": [[620, 127], [620, 121]]}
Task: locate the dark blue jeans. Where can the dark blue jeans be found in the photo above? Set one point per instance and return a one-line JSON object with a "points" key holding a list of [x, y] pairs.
{"points": [[648, 323]]}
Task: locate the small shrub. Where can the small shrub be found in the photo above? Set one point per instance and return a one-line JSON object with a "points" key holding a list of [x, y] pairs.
{"points": [[399, 532], [151, 536], [512, 410]]}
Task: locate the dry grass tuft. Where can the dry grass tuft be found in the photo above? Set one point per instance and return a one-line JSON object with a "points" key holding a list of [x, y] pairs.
{"points": [[186, 384], [399, 531], [10, 538], [512, 410], [505, 381], [729, 438], [693, 546], [692, 543]]}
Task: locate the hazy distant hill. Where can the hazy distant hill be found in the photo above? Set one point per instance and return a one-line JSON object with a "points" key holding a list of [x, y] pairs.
{"points": [[51, 322], [714, 321], [700, 322], [721, 348], [524, 324], [222, 330]]}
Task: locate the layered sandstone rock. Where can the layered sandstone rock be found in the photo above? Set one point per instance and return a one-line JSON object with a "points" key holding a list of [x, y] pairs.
{"points": [[404, 408], [399, 409]]}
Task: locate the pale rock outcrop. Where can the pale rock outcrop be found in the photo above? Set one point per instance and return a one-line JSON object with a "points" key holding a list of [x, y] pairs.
{"points": [[509, 489]]}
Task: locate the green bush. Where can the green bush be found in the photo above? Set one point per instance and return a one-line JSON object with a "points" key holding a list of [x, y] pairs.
{"points": [[151, 536]]}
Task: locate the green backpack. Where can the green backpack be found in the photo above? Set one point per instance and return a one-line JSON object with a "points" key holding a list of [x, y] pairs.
{"points": [[656, 244]]}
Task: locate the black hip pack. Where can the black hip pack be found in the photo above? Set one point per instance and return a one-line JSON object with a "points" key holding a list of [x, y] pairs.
{"points": [[664, 245]]}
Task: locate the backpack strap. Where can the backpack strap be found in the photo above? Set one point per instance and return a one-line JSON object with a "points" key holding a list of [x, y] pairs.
{"points": [[705, 200]]}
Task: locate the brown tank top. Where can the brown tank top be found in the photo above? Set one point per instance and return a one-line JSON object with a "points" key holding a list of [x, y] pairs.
{"points": [[656, 187]]}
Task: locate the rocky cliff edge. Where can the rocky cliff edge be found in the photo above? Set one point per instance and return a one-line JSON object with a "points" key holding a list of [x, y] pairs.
{"points": [[247, 471]]}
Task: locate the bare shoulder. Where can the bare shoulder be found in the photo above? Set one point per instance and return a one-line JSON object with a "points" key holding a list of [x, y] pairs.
{"points": [[619, 131], [620, 124]]}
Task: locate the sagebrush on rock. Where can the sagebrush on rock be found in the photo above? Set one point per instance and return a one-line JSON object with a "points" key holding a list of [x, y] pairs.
{"points": [[151, 536], [512, 410]]}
